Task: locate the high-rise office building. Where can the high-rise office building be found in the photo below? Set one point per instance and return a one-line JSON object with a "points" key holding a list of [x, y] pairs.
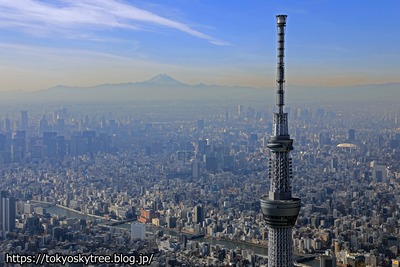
{"points": [[24, 120], [3, 195], [60, 126], [8, 213], [279, 208], [61, 146], [18, 146], [201, 147], [198, 214], [195, 169], [211, 163], [43, 125], [49, 144], [379, 172]]}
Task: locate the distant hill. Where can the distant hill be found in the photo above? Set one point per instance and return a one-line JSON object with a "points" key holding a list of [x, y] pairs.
{"points": [[389, 92], [164, 87]]}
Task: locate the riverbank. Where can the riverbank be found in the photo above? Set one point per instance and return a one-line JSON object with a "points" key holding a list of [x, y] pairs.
{"points": [[231, 244], [74, 210]]}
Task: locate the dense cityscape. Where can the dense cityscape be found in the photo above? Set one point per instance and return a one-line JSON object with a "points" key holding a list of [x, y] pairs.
{"points": [[185, 183]]}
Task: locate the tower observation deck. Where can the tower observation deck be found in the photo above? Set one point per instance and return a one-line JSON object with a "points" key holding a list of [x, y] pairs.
{"points": [[279, 208]]}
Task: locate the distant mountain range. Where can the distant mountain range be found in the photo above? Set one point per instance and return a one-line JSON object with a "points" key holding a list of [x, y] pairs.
{"points": [[164, 87]]}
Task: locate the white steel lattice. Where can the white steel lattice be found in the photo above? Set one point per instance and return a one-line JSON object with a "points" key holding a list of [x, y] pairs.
{"points": [[280, 172], [280, 124], [280, 247]]}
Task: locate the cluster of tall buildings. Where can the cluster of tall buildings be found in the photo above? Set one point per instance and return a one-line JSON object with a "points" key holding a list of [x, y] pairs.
{"points": [[43, 142]]}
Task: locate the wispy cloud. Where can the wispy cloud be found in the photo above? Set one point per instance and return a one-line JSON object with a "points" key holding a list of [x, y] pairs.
{"points": [[51, 58], [38, 17]]}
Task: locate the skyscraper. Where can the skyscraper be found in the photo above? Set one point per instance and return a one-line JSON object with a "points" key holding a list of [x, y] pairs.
{"points": [[279, 208], [8, 213], [24, 120], [198, 214], [49, 145], [43, 125], [18, 146], [3, 195]]}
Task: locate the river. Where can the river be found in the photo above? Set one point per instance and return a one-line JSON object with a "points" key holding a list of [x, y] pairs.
{"points": [[57, 210]]}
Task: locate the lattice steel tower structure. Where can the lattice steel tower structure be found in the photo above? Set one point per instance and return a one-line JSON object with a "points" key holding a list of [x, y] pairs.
{"points": [[279, 208]]}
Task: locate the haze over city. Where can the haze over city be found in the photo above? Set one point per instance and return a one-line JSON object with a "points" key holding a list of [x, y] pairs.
{"points": [[86, 43]]}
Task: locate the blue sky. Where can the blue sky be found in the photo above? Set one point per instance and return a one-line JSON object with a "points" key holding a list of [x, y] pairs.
{"points": [[89, 42]]}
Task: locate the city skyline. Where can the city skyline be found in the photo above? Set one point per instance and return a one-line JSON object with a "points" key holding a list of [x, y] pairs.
{"points": [[77, 44], [346, 173]]}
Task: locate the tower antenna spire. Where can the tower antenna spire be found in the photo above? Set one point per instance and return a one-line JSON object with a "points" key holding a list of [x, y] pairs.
{"points": [[280, 79]]}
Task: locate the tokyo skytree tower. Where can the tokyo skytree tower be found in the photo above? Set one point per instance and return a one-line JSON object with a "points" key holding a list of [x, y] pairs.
{"points": [[279, 208]]}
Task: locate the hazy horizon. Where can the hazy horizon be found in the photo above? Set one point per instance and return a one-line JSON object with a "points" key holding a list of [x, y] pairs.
{"points": [[72, 43]]}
